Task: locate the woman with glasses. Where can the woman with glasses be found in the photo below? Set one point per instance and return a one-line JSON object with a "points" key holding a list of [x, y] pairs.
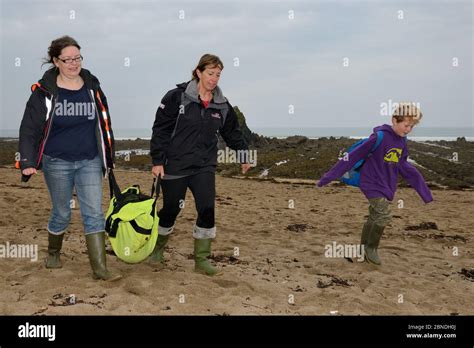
{"points": [[66, 131]]}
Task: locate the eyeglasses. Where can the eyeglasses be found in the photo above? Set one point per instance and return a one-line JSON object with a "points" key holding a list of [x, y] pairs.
{"points": [[70, 60]]}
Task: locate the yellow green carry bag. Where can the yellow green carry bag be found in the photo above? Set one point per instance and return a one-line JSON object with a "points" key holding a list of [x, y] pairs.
{"points": [[132, 221]]}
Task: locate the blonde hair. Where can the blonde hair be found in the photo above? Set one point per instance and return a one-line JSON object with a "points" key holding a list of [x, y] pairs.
{"points": [[406, 110]]}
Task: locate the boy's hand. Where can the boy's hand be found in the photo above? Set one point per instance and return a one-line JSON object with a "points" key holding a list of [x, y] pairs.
{"points": [[245, 167]]}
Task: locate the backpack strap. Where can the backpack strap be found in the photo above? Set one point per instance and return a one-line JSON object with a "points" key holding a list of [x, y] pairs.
{"points": [[139, 229], [376, 145], [184, 102], [224, 112], [378, 142], [112, 227]]}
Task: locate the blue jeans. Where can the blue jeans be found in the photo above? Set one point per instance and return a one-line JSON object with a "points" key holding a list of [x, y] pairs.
{"points": [[86, 177]]}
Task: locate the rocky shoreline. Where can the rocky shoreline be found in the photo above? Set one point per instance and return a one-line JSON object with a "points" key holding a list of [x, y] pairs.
{"points": [[444, 164]]}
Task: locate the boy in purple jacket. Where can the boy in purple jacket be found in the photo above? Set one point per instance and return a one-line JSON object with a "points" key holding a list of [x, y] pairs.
{"points": [[379, 174]]}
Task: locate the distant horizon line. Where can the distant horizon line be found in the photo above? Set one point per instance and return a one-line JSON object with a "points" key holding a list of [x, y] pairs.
{"points": [[309, 132], [284, 127]]}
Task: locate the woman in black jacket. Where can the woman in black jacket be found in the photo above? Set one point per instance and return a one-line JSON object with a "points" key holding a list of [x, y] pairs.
{"points": [[66, 131], [184, 153]]}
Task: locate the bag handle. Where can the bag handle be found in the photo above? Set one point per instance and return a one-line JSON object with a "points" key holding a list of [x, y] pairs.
{"points": [[156, 186], [113, 186], [115, 189], [155, 189]]}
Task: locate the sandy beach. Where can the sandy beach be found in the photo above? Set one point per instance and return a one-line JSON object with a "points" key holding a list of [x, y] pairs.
{"points": [[271, 239]]}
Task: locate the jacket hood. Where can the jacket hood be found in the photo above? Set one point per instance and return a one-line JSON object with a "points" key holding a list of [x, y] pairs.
{"points": [[48, 81], [386, 128], [192, 90]]}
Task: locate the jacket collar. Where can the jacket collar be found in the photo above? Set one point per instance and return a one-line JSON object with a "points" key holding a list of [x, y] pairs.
{"points": [[48, 81], [192, 91]]}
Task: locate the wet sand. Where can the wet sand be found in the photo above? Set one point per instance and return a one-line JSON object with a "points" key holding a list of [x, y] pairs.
{"points": [[271, 240]]}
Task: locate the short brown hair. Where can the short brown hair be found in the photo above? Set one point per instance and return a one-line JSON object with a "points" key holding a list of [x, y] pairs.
{"points": [[207, 59], [54, 50], [406, 111]]}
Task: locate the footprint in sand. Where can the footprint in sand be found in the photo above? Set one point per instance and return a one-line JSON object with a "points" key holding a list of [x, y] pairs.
{"points": [[139, 288], [10, 199], [225, 283], [397, 248]]}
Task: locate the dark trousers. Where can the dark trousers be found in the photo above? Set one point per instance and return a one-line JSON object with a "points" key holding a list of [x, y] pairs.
{"points": [[203, 187]]}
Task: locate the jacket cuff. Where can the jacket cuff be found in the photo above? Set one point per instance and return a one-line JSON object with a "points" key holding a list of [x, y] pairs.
{"points": [[24, 165], [322, 182], [428, 199], [158, 162]]}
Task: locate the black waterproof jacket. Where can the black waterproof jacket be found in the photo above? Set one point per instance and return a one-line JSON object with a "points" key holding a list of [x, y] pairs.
{"points": [[184, 136], [39, 117]]}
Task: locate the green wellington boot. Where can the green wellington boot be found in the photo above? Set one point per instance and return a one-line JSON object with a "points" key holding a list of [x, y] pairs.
{"points": [[157, 257], [202, 250], [55, 243], [373, 240], [365, 233], [96, 249], [364, 237]]}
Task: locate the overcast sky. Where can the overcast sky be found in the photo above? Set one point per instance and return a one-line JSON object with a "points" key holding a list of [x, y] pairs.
{"points": [[289, 53]]}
